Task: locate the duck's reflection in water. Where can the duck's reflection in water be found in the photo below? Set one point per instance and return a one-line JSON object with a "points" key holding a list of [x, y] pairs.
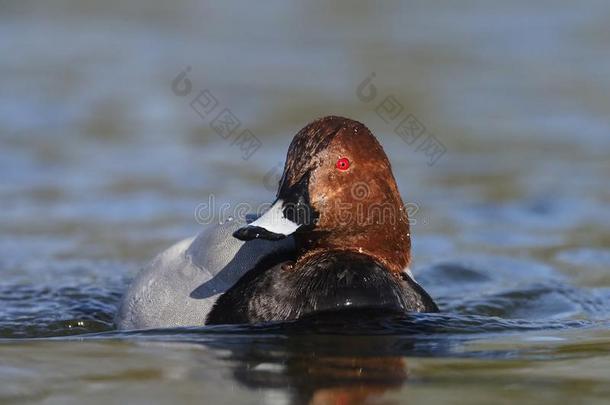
{"points": [[335, 358], [354, 379], [324, 369]]}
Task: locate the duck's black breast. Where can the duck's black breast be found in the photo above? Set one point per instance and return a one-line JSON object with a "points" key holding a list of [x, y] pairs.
{"points": [[329, 281]]}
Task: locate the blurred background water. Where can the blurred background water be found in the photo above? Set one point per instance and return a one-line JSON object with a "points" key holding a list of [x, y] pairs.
{"points": [[102, 166]]}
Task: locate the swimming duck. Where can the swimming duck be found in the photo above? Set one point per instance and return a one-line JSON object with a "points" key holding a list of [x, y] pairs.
{"points": [[336, 238]]}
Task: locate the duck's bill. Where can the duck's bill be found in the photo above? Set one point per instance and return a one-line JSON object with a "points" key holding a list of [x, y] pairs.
{"points": [[272, 225]]}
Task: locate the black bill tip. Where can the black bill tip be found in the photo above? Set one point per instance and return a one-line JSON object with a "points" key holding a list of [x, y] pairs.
{"points": [[250, 232]]}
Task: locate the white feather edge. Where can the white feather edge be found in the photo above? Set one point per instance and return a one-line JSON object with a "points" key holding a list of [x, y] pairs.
{"points": [[274, 220]]}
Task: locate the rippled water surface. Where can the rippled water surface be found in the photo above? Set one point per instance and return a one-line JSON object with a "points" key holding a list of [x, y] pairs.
{"points": [[103, 165]]}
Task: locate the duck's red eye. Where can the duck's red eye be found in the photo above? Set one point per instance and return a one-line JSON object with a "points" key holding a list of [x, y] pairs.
{"points": [[343, 164]]}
